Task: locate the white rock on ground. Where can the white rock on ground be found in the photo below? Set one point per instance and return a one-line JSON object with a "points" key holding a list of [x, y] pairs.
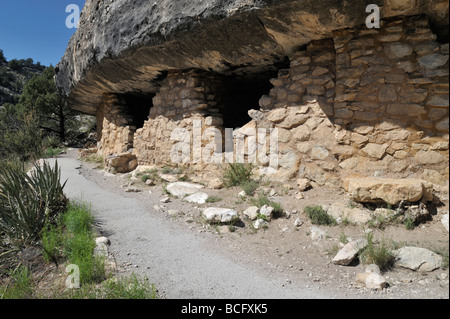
{"points": [[197, 198], [101, 248], [372, 278], [444, 221], [267, 211], [375, 281], [298, 222], [416, 258], [259, 223], [317, 234], [349, 252], [181, 189], [251, 213], [220, 215]]}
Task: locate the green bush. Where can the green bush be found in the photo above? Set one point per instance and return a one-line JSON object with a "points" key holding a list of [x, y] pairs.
{"points": [[79, 244], [20, 287], [237, 174], [28, 203], [319, 216], [52, 241], [262, 200], [378, 254], [250, 187]]}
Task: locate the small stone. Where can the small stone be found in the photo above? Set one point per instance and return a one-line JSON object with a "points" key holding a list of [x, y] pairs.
{"points": [[303, 184], [267, 211], [259, 223], [298, 222], [376, 281], [251, 213], [197, 198], [165, 200]]}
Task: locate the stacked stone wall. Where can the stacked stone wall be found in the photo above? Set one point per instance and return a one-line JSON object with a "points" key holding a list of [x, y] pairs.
{"points": [[372, 102]]}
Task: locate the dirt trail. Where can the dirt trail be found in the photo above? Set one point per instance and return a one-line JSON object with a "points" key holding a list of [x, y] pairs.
{"points": [[181, 263]]}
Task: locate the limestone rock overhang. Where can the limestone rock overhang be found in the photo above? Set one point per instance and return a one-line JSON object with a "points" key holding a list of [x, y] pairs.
{"points": [[128, 46]]}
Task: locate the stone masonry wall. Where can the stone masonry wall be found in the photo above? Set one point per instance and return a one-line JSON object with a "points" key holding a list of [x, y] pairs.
{"points": [[372, 102], [184, 100], [117, 128]]}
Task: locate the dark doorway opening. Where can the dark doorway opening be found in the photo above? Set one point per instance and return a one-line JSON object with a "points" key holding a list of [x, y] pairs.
{"points": [[241, 95], [138, 107]]}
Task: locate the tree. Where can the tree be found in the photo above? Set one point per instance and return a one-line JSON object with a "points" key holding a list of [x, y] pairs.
{"points": [[15, 64], [40, 97], [2, 57]]}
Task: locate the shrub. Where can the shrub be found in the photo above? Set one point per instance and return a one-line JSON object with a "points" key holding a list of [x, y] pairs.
{"points": [[52, 241], [262, 200], [319, 216], [133, 287], [79, 244], [249, 187], [29, 202], [20, 287], [237, 174], [379, 255]]}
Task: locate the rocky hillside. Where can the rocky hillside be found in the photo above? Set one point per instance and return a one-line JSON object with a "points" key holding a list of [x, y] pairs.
{"points": [[13, 76]]}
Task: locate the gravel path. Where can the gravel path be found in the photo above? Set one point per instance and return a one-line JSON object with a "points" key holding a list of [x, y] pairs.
{"points": [[181, 263]]}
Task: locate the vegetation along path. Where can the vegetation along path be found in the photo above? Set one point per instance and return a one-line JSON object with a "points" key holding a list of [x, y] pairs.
{"points": [[181, 263]]}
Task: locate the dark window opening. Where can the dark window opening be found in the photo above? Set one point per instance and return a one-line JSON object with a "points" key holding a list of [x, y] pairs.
{"points": [[138, 107], [241, 95]]}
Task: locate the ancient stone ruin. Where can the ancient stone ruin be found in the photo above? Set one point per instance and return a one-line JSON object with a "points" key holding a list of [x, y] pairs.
{"points": [[345, 99]]}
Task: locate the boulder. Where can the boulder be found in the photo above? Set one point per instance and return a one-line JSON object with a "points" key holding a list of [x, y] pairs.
{"points": [[416, 258], [197, 198], [388, 190], [220, 215], [267, 211], [251, 213], [349, 252], [121, 163], [181, 189], [372, 278]]}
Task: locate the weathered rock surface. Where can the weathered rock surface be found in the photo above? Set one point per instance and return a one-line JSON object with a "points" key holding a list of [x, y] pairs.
{"points": [[197, 198], [392, 191], [181, 189], [220, 215], [126, 46], [251, 213], [349, 252], [416, 258], [121, 163]]}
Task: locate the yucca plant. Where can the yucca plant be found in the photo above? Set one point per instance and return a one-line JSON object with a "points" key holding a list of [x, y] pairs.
{"points": [[30, 201]]}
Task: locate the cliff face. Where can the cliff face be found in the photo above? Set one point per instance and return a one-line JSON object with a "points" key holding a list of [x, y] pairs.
{"points": [[126, 46]]}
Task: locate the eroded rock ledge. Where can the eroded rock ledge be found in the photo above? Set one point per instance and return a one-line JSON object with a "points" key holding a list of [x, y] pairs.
{"points": [[125, 46]]}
